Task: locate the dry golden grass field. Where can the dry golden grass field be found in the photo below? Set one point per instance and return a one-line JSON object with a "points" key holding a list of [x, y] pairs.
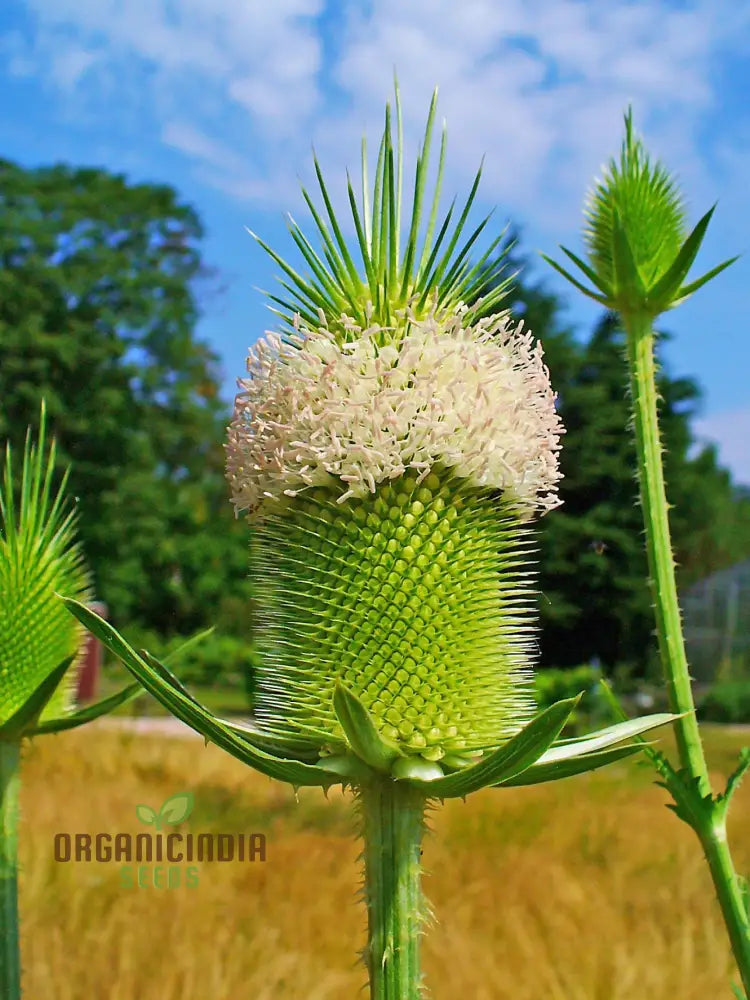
{"points": [[588, 889]]}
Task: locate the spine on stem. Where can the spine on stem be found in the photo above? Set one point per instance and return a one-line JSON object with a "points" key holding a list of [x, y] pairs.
{"points": [[393, 828], [10, 966]]}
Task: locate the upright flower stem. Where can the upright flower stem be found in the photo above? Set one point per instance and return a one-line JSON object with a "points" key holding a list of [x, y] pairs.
{"points": [[711, 828], [10, 965], [393, 826]]}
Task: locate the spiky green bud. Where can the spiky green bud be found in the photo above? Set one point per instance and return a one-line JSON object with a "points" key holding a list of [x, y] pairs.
{"points": [[636, 234], [39, 559]]}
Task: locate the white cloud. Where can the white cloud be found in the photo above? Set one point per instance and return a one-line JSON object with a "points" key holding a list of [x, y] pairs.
{"points": [[193, 142], [731, 432], [537, 85]]}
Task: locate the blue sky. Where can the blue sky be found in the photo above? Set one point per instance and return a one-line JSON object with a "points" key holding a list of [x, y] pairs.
{"points": [[223, 98]]}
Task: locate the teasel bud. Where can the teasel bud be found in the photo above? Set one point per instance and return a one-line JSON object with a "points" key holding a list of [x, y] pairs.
{"points": [[41, 560], [40, 557], [639, 250]]}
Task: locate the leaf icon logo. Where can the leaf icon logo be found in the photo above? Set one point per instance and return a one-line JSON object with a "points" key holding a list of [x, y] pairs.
{"points": [[173, 810], [145, 814], [176, 808]]}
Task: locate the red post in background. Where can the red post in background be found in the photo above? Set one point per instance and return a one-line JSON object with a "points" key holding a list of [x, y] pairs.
{"points": [[88, 671]]}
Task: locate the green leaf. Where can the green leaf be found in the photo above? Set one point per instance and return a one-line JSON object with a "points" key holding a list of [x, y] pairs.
{"points": [[574, 281], [665, 289], [88, 713], [279, 746], [160, 667], [347, 766], [361, 731], [191, 641], [733, 782], [25, 718], [176, 808], [606, 737], [539, 772], [191, 713], [589, 272], [687, 290], [514, 757], [146, 814]]}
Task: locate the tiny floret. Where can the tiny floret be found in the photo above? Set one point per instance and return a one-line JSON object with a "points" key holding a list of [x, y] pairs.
{"points": [[475, 400]]}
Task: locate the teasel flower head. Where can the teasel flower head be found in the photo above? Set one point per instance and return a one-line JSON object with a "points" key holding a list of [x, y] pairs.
{"points": [[635, 231], [391, 458], [392, 447], [40, 558], [42, 566]]}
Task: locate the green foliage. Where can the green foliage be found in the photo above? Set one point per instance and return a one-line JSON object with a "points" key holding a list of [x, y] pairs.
{"points": [[553, 684], [97, 312], [727, 701]]}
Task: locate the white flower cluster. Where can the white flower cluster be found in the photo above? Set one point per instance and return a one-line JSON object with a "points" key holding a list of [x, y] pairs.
{"points": [[476, 400]]}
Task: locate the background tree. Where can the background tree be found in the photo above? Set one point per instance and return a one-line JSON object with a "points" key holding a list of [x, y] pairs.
{"points": [[97, 313], [595, 601]]}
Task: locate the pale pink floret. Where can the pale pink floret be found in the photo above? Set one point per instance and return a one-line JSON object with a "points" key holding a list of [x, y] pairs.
{"points": [[476, 400]]}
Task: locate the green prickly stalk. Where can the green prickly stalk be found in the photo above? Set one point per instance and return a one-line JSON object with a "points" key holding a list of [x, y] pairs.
{"points": [[635, 229], [392, 447]]}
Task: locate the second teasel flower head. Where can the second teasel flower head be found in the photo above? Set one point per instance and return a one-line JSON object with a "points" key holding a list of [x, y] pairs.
{"points": [[639, 248], [391, 457]]}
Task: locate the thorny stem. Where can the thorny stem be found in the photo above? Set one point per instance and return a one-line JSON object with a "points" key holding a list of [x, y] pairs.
{"points": [[712, 831], [393, 826], [10, 963]]}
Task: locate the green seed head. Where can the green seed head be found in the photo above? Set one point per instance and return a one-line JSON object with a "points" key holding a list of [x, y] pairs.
{"points": [[415, 597], [650, 208], [39, 559]]}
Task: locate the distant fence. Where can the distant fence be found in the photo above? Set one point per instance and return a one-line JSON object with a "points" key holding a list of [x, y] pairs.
{"points": [[716, 617]]}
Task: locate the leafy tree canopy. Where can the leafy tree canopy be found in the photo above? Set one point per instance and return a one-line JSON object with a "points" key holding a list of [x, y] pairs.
{"points": [[97, 313]]}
